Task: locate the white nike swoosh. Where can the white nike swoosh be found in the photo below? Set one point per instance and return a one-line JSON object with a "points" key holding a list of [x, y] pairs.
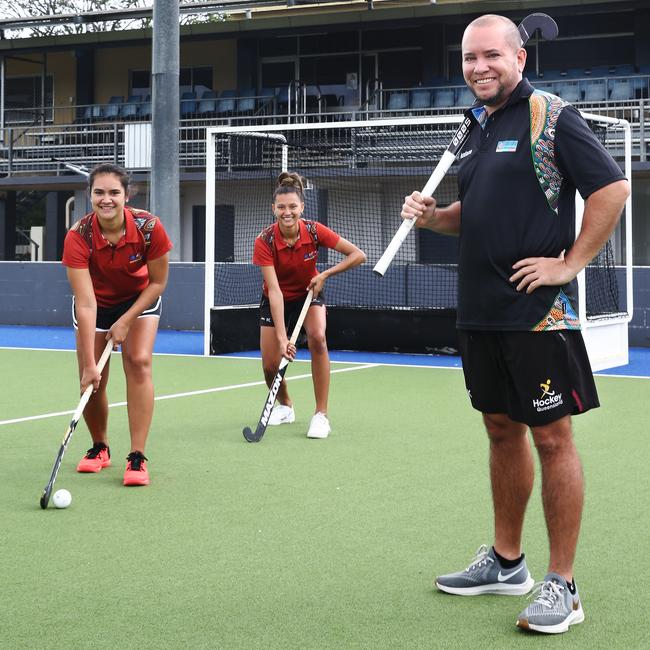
{"points": [[503, 577]]}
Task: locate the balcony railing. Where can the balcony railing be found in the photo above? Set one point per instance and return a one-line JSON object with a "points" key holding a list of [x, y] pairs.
{"points": [[38, 149]]}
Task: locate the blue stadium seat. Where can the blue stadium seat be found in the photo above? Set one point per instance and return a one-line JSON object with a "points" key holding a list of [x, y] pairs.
{"points": [[129, 111], [465, 98], [92, 113], [226, 102], [621, 91], [444, 98], [144, 110], [420, 99], [207, 106], [398, 101], [266, 100], [246, 101], [595, 91], [569, 92], [188, 105]]}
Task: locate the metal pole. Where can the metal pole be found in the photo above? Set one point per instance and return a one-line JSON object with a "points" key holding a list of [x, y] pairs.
{"points": [[165, 194], [2, 99]]}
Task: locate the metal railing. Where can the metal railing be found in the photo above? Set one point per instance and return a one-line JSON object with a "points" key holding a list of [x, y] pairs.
{"points": [[39, 149]]}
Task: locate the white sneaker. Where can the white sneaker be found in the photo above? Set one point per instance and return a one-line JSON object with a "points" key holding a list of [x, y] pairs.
{"points": [[282, 414], [319, 426]]}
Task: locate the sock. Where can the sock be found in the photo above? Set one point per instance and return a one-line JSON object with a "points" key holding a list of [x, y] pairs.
{"points": [[508, 564], [572, 586]]}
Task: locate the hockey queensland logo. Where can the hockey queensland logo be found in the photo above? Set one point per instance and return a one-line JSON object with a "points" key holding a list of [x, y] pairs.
{"points": [[136, 257], [311, 255], [548, 399]]}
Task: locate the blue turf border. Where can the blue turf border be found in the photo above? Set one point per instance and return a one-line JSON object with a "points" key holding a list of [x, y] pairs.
{"points": [[191, 343]]}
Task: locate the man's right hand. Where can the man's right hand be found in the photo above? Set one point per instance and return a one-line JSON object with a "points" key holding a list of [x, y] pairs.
{"points": [[418, 207]]}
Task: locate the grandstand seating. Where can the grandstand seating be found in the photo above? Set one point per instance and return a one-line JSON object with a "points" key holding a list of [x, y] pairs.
{"points": [[621, 91], [596, 91], [398, 101], [246, 103], [207, 106], [444, 98], [226, 103], [420, 99], [569, 92], [188, 104], [464, 98]]}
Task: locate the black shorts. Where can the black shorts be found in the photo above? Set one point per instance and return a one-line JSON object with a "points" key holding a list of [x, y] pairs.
{"points": [[534, 377], [292, 309], [106, 316]]}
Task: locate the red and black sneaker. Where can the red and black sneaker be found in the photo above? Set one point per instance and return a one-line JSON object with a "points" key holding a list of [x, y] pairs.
{"points": [[136, 469], [96, 458]]}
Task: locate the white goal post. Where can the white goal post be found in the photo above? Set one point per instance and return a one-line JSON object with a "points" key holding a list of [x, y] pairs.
{"points": [[606, 336]]}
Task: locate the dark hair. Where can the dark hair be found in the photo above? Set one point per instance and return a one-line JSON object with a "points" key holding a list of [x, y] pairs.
{"points": [[289, 182], [109, 168]]}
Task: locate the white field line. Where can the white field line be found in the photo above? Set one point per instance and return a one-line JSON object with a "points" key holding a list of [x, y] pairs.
{"points": [[191, 393]]}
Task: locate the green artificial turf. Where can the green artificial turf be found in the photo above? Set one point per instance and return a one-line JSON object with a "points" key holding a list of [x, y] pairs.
{"points": [[297, 543]]}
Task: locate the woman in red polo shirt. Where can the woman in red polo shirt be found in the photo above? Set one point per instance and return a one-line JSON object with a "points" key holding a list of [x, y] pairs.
{"points": [[117, 261], [287, 252]]}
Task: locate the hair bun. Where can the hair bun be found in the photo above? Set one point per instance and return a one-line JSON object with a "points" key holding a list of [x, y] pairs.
{"points": [[291, 179]]}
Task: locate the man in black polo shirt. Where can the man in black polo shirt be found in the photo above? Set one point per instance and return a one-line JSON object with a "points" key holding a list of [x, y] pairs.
{"points": [[524, 359]]}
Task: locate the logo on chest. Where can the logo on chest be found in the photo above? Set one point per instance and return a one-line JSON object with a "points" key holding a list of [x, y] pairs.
{"points": [[505, 146], [136, 257], [311, 255]]}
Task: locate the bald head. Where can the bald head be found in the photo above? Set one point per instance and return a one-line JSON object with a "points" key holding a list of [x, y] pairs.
{"points": [[504, 25]]}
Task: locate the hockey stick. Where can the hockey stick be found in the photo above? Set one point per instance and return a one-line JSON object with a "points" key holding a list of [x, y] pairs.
{"points": [[548, 29], [256, 436], [76, 416]]}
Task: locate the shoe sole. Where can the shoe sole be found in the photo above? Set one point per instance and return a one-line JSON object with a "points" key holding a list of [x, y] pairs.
{"points": [[135, 482], [572, 619], [314, 436], [287, 420], [93, 471], [499, 589]]}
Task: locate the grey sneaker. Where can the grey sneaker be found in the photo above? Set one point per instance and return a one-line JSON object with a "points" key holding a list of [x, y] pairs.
{"points": [[554, 609], [485, 575]]}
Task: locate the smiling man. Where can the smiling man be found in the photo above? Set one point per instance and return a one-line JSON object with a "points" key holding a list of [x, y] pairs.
{"points": [[524, 359]]}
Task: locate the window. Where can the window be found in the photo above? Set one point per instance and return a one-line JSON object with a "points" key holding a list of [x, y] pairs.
{"points": [[23, 100]]}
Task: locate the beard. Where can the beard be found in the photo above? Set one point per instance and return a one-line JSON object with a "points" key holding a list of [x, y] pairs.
{"points": [[499, 96]]}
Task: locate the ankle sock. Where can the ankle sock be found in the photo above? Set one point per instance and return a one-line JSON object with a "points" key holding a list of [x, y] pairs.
{"points": [[508, 564], [572, 587]]}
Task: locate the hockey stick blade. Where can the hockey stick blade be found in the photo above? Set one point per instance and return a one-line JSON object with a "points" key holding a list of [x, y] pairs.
{"points": [[76, 416], [549, 30], [256, 436], [547, 27]]}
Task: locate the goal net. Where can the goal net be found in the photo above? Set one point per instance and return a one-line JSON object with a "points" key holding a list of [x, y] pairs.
{"points": [[357, 174]]}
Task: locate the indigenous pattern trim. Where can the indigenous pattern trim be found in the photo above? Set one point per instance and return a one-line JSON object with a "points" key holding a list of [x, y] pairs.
{"points": [[545, 110], [145, 222], [267, 235], [561, 316]]}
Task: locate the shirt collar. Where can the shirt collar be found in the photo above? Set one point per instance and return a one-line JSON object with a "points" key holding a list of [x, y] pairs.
{"points": [[303, 235], [130, 231], [523, 90]]}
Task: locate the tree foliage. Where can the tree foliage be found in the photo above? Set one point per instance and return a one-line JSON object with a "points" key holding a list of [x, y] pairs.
{"points": [[27, 8]]}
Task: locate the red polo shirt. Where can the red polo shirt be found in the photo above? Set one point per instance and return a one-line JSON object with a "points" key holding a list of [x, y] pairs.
{"points": [[118, 271], [294, 265]]}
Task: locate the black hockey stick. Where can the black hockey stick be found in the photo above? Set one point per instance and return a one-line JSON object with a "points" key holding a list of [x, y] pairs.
{"points": [[76, 416], [256, 436], [548, 29]]}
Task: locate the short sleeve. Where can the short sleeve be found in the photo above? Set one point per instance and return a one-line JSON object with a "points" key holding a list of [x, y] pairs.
{"points": [[326, 236], [76, 253], [262, 253], [581, 157], [159, 243]]}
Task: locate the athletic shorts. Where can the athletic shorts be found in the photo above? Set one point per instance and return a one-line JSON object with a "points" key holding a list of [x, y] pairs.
{"points": [[534, 377], [292, 309], [106, 316]]}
